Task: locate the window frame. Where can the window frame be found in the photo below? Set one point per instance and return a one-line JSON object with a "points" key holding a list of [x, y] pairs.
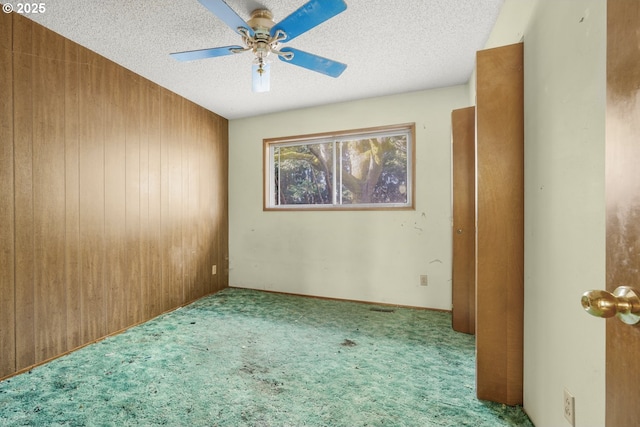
{"points": [[316, 138]]}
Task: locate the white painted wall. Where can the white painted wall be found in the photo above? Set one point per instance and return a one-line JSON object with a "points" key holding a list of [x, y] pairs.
{"points": [[365, 255], [564, 69], [565, 86], [378, 256]]}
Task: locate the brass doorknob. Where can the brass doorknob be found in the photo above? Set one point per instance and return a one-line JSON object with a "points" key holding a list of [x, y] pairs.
{"points": [[624, 303]]}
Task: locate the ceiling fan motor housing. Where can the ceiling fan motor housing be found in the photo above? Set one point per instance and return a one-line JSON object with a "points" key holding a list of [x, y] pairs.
{"points": [[262, 44]]}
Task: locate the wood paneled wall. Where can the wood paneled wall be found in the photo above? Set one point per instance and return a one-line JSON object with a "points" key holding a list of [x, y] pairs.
{"points": [[113, 197], [7, 253]]}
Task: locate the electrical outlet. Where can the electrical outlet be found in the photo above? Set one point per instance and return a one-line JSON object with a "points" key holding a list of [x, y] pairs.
{"points": [[569, 407], [423, 280], [213, 270]]}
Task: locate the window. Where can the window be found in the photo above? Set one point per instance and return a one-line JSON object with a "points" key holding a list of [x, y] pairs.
{"points": [[360, 169]]}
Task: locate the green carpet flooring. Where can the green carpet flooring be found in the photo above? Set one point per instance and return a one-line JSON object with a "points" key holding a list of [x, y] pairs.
{"points": [[249, 358]]}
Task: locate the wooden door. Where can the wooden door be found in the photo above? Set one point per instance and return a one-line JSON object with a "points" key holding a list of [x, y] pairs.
{"points": [[623, 205], [463, 275], [500, 224]]}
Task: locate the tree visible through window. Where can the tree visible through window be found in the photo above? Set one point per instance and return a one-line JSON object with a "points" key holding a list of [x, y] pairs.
{"points": [[371, 168]]}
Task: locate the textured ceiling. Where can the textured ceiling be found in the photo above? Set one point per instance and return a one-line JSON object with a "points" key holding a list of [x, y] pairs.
{"points": [[389, 46]]}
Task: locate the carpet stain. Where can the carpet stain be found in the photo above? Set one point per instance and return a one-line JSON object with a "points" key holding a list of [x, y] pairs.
{"points": [[250, 358]]}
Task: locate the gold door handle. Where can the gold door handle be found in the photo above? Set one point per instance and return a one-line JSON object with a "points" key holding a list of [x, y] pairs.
{"points": [[624, 303]]}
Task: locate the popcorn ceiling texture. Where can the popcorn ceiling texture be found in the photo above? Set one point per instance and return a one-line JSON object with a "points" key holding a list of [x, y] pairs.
{"points": [[390, 47], [249, 358]]}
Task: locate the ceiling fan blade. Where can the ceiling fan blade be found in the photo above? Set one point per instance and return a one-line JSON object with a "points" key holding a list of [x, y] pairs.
{"points": [[227, 15], [261, 77], [313, 62], [205, 53], [309, 15]]}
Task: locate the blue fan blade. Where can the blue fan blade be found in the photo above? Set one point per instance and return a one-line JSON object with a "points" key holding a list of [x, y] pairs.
{"points": [[204, 53], [314, 62], [226, 14], [311, 14]]}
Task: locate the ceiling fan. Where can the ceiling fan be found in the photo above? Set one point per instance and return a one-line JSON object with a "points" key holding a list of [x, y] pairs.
{"points": [[262, 36]]}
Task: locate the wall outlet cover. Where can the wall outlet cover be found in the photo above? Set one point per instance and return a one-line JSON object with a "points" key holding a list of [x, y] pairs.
{"points": [[569, 407]]}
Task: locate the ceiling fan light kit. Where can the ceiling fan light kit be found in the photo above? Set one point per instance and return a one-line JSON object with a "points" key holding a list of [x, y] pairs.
{"points": [[262, 36], [261, 77]]}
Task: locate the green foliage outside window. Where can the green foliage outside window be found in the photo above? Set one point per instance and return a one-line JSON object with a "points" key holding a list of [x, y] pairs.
{"points": [[355, 170]]}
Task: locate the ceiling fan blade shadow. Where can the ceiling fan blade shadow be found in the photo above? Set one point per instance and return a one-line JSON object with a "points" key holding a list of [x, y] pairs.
{"points": [[192, 55], [314, 62], [308, 16], [227, 15]]}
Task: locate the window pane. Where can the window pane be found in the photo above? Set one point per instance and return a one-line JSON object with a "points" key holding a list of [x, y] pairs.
{"points": [[374, 170], [361, 169], [303, 174]]}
